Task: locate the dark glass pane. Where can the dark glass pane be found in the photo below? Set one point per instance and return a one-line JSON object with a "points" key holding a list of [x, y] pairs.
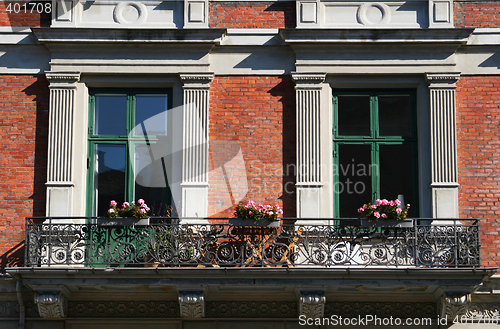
{"points": [[354, 115], [151, 181], [355, 181], [396, 173], [151, 115], [394, 114], [110, 115], [109, 177]]}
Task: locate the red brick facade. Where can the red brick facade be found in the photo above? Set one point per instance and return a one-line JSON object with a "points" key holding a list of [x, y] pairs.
{"points": [[258, 114], [477, 13], [23, 148], [232, 14], [33, 14], [478, 133]]}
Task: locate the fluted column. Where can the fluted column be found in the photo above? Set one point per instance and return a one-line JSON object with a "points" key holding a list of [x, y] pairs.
{"points": [[194, 184], [60, 149], [309, 182], [442, 88]]}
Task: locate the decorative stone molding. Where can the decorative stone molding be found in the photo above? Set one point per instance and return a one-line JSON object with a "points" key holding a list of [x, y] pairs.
{"points": [[51, 304], [441, 13], [309, 181], [312, 304], [119, 309], [442, 88], [195, 14], [192, 304], [142, 13], [454, 304], [195, 144], [366, 8], [60, 149]]}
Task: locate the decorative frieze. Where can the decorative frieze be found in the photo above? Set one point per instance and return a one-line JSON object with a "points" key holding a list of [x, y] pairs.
{"points": [[312, 304], [442, 89], [308, 105], [195, 144], [51, 304], [192, 304], [60, 149]]}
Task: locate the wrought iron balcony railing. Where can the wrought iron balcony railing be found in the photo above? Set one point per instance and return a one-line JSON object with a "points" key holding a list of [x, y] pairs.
{"points": [[166, 243]]}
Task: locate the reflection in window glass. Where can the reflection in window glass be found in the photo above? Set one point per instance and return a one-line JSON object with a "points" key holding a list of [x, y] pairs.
{"points": [[151, 183], [354, 115], [109, 176], [151, 115], [355, 181], [394, 115], [110, 115]]}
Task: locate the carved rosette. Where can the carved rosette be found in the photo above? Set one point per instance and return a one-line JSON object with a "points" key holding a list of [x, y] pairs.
{"points": [[192, 304], [51, 305], [312, 304], [455, 304]]}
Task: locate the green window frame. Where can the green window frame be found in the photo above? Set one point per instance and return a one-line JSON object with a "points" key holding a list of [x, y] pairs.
{"points": [[366, 129], [116, 132]]}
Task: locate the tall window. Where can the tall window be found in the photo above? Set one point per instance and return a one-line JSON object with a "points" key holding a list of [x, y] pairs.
{"points": [[129, 148], [374, 149]]}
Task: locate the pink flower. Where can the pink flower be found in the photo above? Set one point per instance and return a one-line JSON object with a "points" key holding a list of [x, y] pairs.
{"points": [[361, 209], [378, 202], [399, 210], [376, 214], [384, 215], [397, 202], [270, 213], [140, 201], [126, 204], [280, 212], [249, 212], [374, 206], [391, 203], [142, 211], [111, 211], [385, 202], [113, 203], [143, 205]]}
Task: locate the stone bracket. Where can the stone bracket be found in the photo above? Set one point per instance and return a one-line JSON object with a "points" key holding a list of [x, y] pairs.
{"points": [[312, 304], [51, 304], [192, 304], [454, 304]]}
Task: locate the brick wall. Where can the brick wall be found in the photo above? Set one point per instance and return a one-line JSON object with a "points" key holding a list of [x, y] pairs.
{"points": [[254, 114], [23, 149], [478, 133], [477, 13], [34, 14], [232, 14]]}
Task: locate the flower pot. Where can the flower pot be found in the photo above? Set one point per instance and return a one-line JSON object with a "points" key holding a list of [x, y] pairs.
{"points": [[121, 221], [387, 223], [249, 222]]}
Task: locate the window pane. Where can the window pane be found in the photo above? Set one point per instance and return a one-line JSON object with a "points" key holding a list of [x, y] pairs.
{"points": [[109, 177], [355, 182], [151, 181], [396, 173], [111, 115], [151, 114], [354, 115], [394, 115]]}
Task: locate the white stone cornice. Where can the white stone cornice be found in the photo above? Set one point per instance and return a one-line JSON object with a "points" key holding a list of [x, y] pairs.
{"points": [[62, 79], [194, 80], [439, 80], [308, 78]]}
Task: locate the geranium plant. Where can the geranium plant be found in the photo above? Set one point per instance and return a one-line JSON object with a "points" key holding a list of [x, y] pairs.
{"points": [[261, 212], [138, 210], [384, 209]]}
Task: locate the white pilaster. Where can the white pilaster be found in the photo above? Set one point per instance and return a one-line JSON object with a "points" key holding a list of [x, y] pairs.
{"points": [[60, 149], [195, 144], [309, 182], [442, 88]]}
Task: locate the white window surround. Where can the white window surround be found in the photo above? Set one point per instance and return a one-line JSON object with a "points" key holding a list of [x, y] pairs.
{"points": [[322, 196]]}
